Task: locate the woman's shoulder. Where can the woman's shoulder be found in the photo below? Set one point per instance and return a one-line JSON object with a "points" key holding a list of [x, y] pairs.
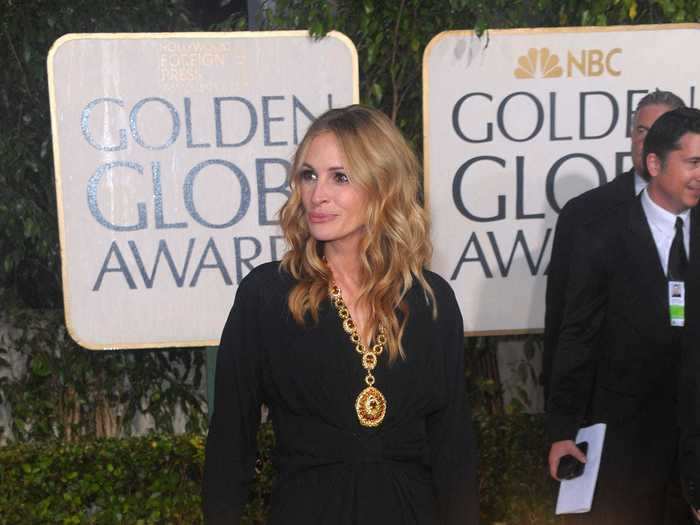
{"points": [[444, 296], [266, 280], [263, 272], [441, 288]]}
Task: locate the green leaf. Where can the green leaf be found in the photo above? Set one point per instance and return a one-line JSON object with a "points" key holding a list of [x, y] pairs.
{"points": [[40, 365], [316, 29], [377, 91]]}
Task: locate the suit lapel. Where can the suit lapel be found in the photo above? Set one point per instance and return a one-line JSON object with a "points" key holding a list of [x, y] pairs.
{"points": [[644, 261], [693, 276]]}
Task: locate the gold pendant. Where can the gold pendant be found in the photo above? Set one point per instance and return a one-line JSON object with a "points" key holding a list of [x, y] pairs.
{"points": [[370, 407]]}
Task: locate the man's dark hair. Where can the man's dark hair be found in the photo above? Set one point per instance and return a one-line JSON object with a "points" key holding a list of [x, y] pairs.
{"points": [[665, 134], [659, 97]]}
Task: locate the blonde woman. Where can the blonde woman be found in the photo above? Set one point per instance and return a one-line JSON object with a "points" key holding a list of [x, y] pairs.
{"points": [[354, 346]]}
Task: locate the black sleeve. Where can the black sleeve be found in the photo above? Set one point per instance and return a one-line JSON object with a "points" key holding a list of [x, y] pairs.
{"points": [[574, 363], [453, 446], [231, 443], [689, 417], [557, 278]]}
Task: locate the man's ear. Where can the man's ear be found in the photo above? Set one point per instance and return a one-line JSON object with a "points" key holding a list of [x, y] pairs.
{"points": [[654, 164]]}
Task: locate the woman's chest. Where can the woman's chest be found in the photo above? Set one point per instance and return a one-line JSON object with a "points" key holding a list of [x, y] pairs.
{"points": [[316, 369]]}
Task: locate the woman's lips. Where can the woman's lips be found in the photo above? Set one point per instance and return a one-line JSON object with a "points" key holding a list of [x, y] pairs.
{"points": [[317, 217]]}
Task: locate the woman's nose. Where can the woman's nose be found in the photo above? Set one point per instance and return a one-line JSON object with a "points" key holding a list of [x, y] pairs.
{"points": [[320, 192]]}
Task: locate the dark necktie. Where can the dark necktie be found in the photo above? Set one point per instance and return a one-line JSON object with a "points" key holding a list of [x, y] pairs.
{"points": [[677, 259]]}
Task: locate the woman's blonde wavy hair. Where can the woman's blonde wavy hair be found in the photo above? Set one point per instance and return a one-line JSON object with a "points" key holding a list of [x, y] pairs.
{"points": [[396, 246]]}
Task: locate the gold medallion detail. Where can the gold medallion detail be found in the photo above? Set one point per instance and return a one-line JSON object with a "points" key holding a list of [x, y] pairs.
{"points": [[369, 361], [349, 325], [371, 407], [371, 403]]}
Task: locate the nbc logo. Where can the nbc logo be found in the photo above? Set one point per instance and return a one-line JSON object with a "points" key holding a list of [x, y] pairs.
{"points": [[542, 59], [541, 63]]}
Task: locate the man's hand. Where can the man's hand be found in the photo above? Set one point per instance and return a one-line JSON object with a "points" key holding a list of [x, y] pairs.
{"points": [[696, 514], [560, 449]]}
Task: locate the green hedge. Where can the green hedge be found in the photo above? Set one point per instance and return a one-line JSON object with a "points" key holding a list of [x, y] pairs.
{"points": [[156, 479], [145, 480]]}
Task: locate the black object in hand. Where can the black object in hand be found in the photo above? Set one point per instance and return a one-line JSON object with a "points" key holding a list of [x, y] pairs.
{"points": [[569, 466]]}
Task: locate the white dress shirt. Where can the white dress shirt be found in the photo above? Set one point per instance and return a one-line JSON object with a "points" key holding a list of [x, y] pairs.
{"points": [[663, 228]]}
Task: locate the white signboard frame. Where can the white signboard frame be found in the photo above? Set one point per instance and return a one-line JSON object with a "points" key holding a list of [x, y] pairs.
{"points": [[170, 154], [517, 122]]}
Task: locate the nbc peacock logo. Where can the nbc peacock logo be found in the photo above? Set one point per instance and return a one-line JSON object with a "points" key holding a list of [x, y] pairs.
{"points": [[538, 63]]}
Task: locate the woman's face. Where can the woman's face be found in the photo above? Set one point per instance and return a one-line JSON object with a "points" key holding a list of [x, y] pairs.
{"points": [[334, 205]]}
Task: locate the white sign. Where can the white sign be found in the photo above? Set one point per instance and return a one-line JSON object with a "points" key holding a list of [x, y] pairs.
{"points": [[171, 152], [516, 123]]}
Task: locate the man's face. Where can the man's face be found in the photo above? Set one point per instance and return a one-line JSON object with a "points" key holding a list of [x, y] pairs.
{"points": [[675, 183], [643, 119]]}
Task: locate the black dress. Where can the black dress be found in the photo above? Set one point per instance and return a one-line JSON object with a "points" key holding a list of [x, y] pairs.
{"points": [[418, 467]]}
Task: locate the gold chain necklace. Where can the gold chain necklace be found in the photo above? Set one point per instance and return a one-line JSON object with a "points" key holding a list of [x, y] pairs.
{"points": [[370, 404]]}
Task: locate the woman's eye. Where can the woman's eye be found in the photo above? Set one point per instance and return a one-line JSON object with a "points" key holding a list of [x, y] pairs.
{"points": [[341, 177], [307, 175]]}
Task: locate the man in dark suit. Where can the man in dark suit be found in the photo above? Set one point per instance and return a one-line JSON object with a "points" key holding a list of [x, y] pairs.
{"points": [[587, 207], [689, 400], [624, 334]]}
